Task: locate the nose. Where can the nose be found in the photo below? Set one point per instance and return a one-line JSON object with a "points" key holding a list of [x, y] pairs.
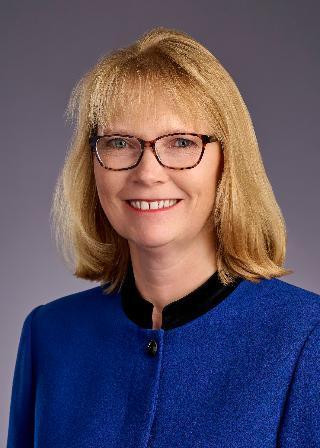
{"points": [[149, 171], [148, 156]]}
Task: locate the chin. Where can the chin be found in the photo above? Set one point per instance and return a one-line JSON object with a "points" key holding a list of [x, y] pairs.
{"points": [[152, 241]]}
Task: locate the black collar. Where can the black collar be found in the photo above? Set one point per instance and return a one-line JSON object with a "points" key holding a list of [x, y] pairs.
{"points": [[176, 313]]}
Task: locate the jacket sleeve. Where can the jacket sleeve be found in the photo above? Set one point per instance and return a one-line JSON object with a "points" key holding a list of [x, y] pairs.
{"points": [[21, 415], [301, 419]]}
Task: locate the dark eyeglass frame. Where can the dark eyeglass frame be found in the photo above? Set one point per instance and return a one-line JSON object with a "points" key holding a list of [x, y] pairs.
{"points": [[94, 138]]}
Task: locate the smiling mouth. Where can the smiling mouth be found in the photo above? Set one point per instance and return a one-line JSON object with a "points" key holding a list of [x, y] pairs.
{"points": [[150, 210]]}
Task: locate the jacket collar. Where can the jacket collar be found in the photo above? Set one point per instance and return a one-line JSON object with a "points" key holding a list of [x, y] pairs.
{"points": [[176, 313]]}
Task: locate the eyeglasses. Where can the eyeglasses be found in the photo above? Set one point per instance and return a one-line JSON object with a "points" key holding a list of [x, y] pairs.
{"points": [[176, 151]]}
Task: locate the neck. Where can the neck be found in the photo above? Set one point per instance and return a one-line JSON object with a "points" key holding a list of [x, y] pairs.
{"points": [[165, 274]]}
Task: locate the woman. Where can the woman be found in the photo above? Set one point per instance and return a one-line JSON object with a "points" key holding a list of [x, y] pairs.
{"points": [[190, 340]]}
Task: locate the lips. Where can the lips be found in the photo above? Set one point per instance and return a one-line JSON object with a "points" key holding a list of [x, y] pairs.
{"points": [[153, 210], [155, 200]]}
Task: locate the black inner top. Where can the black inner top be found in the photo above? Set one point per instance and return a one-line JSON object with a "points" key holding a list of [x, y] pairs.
{"points": [[176, 313]]}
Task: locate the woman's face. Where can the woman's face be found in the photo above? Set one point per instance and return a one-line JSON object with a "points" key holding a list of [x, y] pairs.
{"points": [[196, 187]]}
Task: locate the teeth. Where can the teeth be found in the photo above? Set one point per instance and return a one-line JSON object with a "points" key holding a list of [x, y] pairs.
{"points": [[144, 205]]}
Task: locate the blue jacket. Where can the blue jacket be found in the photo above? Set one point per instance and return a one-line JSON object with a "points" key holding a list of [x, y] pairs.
{"points": [[245, 373]]}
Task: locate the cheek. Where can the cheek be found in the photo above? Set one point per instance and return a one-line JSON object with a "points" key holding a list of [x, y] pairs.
{"points": [[207, 190], [104, 190], [103, 182], [101, 189], [108, 193], [205, 182], [211, 176], [207, 198], [109, 210]]}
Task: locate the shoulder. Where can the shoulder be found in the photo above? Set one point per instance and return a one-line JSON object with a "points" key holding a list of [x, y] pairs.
{"points": [[278, 287], [277, 291], [288, 293], [70, 310], [280, 305]]}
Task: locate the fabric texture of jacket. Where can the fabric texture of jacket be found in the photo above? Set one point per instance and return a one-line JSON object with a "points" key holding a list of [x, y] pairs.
{"points": [[245, 373]]}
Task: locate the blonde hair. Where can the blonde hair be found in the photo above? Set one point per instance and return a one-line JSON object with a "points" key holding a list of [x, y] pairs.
{"points": [[250, 229]]}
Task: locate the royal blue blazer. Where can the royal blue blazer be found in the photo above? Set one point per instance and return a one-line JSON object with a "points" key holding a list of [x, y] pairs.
{"points": [[246, 373]]}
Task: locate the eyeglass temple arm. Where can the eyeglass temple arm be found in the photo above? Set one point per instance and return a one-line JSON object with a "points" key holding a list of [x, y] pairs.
{"points": [[93, 136], [213, 138]]}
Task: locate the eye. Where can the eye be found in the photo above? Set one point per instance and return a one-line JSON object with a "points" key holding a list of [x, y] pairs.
{"points": [[185, 142], [113, 142]]}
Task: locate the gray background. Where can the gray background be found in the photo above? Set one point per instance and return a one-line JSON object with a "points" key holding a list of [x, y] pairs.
{"points": [[270, 48]]}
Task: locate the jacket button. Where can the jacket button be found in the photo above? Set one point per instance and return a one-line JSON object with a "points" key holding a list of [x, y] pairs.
{"points": [[152, 347]]}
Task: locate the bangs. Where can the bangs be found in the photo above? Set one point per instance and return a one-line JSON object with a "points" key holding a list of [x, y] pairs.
{"points": [[135, 89]]}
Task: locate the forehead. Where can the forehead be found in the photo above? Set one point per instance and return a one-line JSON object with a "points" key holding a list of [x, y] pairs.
{"points": [[152, 118]]}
